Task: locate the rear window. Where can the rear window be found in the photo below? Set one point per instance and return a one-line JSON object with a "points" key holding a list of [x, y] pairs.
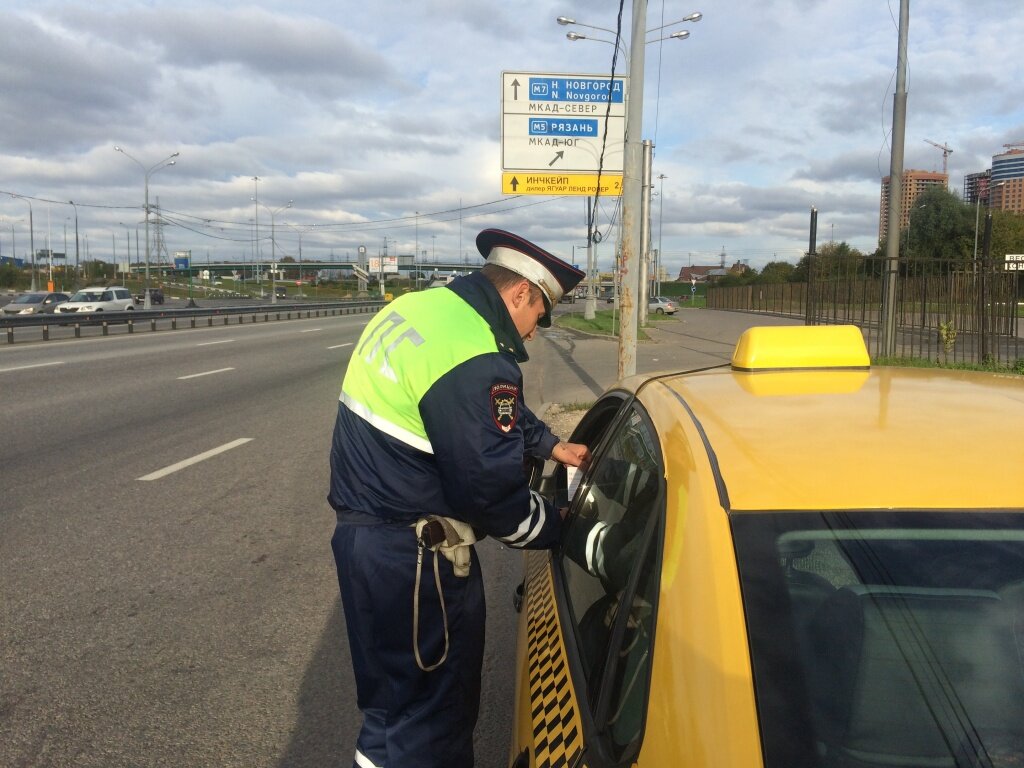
{"points": [[891, 639]]}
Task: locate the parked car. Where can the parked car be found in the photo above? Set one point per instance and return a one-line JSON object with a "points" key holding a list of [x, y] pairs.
{"points": [[795, 560], [659, 305], [98, 299], [156, 296], [34, 303]]}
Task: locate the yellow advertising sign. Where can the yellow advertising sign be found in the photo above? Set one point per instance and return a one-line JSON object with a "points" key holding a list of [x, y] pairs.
{"points": [[527, 183]]}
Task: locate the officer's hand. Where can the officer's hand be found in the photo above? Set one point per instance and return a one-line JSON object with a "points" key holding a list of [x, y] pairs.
{"points": [[572, 455]]}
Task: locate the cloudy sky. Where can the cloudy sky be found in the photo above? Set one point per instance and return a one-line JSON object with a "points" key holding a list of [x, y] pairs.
{"points": [[381, 120]]}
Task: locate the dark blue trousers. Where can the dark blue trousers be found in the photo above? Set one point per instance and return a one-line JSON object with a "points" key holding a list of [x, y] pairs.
{"points": [[411, 718]]}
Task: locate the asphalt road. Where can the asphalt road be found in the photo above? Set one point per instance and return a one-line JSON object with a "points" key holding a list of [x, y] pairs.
{"points": [[192, 619]]}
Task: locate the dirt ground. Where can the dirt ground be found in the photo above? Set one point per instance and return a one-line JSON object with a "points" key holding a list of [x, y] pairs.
{"points": [[562, 421]]}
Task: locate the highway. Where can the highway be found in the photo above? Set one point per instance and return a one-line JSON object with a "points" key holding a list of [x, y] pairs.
{"points": [[191, 619], [168, 591]]}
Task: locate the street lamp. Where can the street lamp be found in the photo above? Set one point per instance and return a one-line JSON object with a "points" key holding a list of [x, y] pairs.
{"points": [[678, 35], [633, 192], [31, 237], [147, 172], [298, 231], [128, 241], [73, 205], [273, 247]]}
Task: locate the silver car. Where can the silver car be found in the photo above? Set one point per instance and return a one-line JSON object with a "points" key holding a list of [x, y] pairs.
{"points": [[35, 303], [659, 305], [99, 299]]}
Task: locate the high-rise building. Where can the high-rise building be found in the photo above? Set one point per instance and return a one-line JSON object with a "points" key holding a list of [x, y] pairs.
{"points": [[1009, 165], [1006, 190], [976, 186], [914, 183]]}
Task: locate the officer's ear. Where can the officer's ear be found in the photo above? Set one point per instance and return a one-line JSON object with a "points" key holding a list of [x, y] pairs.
{"points": [[521, 294]]}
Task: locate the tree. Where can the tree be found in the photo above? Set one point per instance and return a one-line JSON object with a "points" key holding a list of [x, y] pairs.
{"points": [[941, 227], [776, 272], [1007, 234]]}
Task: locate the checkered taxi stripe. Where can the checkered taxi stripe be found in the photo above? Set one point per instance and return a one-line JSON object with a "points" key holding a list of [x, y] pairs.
{"points": [[557, 733]]}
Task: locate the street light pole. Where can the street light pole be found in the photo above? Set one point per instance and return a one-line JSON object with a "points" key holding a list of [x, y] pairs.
{"points": [[31, 237], [73, 205], [146, 173], [273, 247], [661, 219], [632, 191], [632, 169]]}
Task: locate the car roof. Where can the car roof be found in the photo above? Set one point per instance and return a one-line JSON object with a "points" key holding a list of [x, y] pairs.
{"points": [[848, 438]]}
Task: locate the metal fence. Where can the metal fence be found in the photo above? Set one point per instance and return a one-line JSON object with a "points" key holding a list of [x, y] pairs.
{"points": [[950, 311], [38, 327]]}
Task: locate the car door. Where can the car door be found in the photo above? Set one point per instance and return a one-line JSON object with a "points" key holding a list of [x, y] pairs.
{"points": [[590, 606]]}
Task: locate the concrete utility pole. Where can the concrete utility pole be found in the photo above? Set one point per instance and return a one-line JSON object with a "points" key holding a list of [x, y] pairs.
{"points": [[892, 249], [632, 192]]}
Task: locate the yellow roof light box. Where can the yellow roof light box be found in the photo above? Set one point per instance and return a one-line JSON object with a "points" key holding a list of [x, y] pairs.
{"points": [[786, 348]]}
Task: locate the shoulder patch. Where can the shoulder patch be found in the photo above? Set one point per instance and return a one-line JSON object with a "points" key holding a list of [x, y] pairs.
{"points": [[505, 405]]}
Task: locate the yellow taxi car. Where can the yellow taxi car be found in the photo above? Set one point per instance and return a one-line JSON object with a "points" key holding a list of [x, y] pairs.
{"points": [[796, 560]]}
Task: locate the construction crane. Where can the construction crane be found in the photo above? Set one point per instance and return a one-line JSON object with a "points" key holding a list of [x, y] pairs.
{"points": [[946, 152], [1014, 145]]}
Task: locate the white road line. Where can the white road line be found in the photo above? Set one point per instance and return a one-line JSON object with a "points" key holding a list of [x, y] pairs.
{"points": [[204, 373], [339, 346], [26, 367], [208, 343], [195, 459], [310, 330]]}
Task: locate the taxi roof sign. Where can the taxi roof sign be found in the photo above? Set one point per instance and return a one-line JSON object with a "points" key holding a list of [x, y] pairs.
{"points": [[780, 348]]}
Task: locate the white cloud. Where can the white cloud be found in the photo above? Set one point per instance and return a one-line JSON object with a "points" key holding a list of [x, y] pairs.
{"points": [[372, 112]]}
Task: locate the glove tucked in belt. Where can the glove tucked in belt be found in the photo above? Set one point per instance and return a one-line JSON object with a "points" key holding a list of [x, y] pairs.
{"points": [[452, 538]]}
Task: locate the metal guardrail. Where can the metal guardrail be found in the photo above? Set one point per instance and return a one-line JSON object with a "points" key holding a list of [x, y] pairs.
{"points": [[135, 318]]}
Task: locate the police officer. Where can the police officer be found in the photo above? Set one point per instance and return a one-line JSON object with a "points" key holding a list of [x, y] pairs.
{"points": [[427, 455]]}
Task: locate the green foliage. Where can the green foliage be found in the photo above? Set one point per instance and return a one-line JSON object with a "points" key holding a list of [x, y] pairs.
{"points": [[990, 366], [777, 272], [10, 276], [941, 226], [947, 336]]}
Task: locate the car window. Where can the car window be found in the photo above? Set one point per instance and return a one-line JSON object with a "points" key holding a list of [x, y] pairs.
{"points": [[122, 293], [896, 638], [107, 296], [610, 565]]}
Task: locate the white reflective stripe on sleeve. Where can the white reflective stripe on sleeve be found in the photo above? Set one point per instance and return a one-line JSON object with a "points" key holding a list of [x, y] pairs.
{"points": [[364, 762], [595, 549], [531, 526], [399, 433]]}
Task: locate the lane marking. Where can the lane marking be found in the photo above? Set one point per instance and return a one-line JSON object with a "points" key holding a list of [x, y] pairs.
{"points": [[208, 343], [204, 373], [339, 346], [310, 330], [26, 367], [195, 459]]}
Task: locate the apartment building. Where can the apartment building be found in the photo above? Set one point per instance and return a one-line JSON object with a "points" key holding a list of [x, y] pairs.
{"points": [[914, 183]]}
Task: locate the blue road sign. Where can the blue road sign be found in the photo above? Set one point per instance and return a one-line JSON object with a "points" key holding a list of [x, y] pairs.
{"points": [[547, 126], [576, 89]]}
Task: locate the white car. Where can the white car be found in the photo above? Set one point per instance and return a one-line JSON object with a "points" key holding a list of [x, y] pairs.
{"points": [[661, 306], [98, 299]]}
